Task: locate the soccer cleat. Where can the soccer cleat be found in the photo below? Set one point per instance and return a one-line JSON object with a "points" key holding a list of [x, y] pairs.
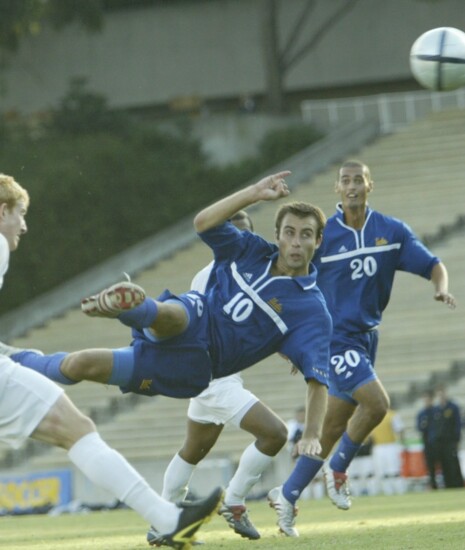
{"points": [[154, 538], [112, 301], [238, 519], [11, 350], [193, 515], [285, 510], [337, 487]]}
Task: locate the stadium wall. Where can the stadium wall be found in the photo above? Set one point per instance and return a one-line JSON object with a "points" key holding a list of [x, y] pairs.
{"points": [[210, 50]]}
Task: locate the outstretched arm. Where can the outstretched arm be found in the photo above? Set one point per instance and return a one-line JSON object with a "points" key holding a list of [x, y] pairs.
{"points": [[440, 280], [268, 189], [317, 400]]}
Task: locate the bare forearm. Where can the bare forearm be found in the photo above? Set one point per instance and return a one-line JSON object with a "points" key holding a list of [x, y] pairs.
{"points": [[317, 400], [222, 210], [270, 188], [440, 280]]}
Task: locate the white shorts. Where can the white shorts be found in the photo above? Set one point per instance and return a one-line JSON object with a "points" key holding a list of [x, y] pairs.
{"points": [[225, 400], [25, 398]]}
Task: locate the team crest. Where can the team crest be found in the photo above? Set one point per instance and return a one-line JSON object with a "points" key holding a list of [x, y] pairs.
{"points": [[275, 305], [145, 385]]}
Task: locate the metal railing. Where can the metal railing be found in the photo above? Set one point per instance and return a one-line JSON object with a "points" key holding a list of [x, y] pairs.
{"points": [[392, 111]]}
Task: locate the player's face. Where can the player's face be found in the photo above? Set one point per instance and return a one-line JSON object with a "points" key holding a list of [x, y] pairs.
{"points": [[12, 223], [297, 241], [353, 186]]}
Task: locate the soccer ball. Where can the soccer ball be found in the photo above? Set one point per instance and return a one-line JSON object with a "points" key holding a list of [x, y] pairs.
{"points": [[437, 59]]}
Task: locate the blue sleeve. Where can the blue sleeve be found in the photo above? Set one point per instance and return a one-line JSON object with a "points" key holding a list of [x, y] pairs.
{"points": [[414, 256], [229, 243], [225, 240], [307, 347]]}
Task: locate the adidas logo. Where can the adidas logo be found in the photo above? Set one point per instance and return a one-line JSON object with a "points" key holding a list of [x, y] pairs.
{"points": [[342, 455], [342, 249], [248, 277], [295, 493]]}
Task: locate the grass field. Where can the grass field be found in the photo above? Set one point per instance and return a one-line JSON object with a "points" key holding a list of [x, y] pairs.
{"points": [[420, 521]]}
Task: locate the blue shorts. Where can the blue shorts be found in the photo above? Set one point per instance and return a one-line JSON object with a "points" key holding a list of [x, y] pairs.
{"points": [[352, 363], [176, 367]]}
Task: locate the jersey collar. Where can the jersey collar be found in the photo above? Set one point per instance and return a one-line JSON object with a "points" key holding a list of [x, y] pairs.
{"points": [[340, 212], [340, 217], [306, 282]]}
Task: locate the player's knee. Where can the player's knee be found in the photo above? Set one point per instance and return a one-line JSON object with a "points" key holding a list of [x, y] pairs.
{"points": [[376, 411], [379, 412], [193, 455], [195, 451], [172, 320], [280, 436], [272, 441], [64, 424]]}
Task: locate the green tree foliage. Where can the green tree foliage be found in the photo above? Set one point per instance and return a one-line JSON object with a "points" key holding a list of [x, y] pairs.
{"points": [[100, 182], [21, 18]]}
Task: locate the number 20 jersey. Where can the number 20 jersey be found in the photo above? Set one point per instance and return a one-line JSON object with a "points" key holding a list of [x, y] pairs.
{"points": [[356, 268]]}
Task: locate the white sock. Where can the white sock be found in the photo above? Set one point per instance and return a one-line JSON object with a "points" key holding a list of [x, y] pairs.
{"points": [[176, 479], [110, 470], [251, 466]]}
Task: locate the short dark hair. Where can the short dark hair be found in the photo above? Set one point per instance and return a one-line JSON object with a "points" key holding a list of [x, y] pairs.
{"points": [[301, 210], [242, 216], [354, 163]]}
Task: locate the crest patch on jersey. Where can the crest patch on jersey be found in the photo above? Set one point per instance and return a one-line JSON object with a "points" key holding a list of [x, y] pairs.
{"points": [[275, 305], [145, 385]]}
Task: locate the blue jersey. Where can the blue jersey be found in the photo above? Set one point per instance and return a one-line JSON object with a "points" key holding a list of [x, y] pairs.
{"points": [[356, 268], [245, 315], [356, 271], [426, 424], [254, 314]]}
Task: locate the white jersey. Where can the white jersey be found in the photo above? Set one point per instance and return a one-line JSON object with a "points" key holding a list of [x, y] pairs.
{"points": [[225, 399], [200, 280], [25, 396], [4, 258]]}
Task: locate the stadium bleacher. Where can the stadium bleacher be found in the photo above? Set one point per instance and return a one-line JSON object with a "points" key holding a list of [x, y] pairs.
{"points": [[418, 174]]}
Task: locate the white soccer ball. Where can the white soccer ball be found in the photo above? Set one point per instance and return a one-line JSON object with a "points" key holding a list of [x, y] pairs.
{"points": [[437, 59]]}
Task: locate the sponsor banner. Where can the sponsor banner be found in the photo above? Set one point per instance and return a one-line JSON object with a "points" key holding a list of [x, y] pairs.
{"points": [[22, 493]]}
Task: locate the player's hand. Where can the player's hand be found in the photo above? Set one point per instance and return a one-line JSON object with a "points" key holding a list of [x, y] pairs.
{"points": [[309, 446], [273, 187], [447, 298]]}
